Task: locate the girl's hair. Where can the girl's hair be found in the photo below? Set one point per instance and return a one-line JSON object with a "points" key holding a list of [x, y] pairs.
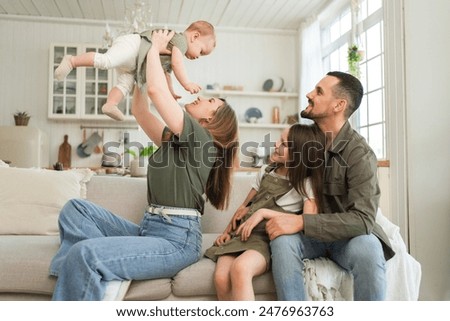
{"points": [[306, 145], [224, 129]]}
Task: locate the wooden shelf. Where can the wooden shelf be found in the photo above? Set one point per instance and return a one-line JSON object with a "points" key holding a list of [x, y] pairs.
{"points": [[250, 93], [262, 125]]}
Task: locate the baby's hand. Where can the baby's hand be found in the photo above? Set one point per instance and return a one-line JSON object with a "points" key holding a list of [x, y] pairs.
{"points": [[174, 95], [192, 88]]}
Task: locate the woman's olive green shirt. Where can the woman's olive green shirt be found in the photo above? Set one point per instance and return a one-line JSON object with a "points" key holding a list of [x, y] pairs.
{"points": [[351, 193], [179, 169]]}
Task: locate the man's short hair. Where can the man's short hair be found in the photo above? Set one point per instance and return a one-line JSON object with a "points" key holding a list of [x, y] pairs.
{"points": [[349, 88]]}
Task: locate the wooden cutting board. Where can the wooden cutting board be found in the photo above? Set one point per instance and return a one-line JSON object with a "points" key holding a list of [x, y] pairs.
{"points": [[65, 153]]}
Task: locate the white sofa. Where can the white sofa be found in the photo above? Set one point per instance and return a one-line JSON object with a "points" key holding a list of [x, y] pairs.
{"points": [[28, 241]]}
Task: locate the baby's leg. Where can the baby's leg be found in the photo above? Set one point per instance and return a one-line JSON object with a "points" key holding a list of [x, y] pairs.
{"points": [[122, 54], [222, 279], [246, 266], [124, 86], [69, 62]]}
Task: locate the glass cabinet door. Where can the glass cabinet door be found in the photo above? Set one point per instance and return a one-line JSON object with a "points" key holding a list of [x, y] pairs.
{"points": [[97, 86], [64, 93], [84, 91]]}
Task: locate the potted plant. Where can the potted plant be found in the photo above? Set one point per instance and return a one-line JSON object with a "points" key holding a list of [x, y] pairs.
{"points": [[138, 166], [354, 57], [21, 118]]}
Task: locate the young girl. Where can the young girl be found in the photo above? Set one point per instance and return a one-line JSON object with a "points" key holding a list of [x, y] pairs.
{"points": [[292, 183]]}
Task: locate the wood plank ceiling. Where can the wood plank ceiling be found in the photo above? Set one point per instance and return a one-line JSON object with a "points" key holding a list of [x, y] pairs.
{"points": [[257, 14]]}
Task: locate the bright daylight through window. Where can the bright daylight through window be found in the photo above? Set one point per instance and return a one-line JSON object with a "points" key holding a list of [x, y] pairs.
{"points": [[361, 24]]}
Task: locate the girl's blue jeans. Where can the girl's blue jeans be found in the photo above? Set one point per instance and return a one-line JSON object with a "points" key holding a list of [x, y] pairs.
{"points": [[362, 256], [98, 246]]}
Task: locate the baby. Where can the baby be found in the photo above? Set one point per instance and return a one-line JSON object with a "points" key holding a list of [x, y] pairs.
{"points": [[128, 55]]}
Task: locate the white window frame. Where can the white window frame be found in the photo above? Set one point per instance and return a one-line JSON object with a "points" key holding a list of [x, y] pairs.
{"points": [[339, 46]]}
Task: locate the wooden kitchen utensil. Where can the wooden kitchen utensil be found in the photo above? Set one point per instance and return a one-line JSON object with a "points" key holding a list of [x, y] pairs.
{"points": [[65, 153], [98, 147]]}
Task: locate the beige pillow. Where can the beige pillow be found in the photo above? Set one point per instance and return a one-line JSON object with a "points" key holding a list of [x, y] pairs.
{"points": [[31, 199]]}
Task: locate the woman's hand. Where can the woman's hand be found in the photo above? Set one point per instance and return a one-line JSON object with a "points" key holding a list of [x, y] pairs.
{"points": [[222, 239], [246, 228], [160, 39]]}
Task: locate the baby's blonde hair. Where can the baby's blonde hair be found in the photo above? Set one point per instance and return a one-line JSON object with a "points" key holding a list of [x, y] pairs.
{"points": [[202, 27]]}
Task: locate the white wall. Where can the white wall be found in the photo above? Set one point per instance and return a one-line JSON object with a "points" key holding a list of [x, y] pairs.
{"points": [[427, 51], [240, 58]]}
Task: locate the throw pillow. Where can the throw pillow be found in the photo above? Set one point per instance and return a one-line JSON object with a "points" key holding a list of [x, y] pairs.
{"points": [[31, 199]]}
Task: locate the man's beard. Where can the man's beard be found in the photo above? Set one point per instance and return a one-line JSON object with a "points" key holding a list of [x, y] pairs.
{"points": [[305, 114], [311, 115]]}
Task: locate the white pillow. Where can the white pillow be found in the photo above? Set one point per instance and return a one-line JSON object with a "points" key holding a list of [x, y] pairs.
{"points": [[31, 199]]}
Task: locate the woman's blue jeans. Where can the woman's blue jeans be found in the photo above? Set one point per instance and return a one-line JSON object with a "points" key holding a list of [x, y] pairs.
{"points": [[362, 256], [98, 246]]}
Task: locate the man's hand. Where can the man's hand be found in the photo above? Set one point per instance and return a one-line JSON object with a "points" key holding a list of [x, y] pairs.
{"points": [[284, 224]]}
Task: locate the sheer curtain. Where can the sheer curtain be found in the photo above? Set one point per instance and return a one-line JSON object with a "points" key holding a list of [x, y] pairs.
{"points": [[311, 69]]}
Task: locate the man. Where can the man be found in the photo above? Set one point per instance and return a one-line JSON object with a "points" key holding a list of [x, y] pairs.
{"points": [[346, 231]]}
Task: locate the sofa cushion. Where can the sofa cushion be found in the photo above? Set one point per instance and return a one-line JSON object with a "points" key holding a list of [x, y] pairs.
{"points": [[158, 289], [215, 221], [124, 196], [31, 199], [24, 267]]}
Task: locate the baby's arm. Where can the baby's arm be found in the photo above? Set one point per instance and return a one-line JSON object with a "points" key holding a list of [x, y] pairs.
{"points": [[169, 83], [180, 72]]}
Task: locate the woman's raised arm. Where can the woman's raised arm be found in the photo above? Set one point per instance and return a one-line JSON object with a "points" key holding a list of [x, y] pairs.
{"points": [[149, 123], [157, 87]]}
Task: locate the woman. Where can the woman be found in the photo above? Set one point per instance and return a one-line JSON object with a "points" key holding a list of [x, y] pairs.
{"points": [[197, 150], [292, 183]]}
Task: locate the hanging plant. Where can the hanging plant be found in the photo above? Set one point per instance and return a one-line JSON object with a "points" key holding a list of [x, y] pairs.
{"points": [[353, 58]]}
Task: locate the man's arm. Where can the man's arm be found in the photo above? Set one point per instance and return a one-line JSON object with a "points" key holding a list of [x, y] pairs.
{"points": [[355, 191], [351, 192]]}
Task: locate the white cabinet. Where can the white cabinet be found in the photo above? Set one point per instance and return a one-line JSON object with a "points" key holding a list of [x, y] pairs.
{"points": [[83, 92], [64, 96]]}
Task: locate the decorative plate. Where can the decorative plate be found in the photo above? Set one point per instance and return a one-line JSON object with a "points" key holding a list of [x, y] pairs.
{"points": [[253, 114]]}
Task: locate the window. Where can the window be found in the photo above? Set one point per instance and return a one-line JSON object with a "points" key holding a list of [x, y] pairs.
{"points": [[369, 120]]}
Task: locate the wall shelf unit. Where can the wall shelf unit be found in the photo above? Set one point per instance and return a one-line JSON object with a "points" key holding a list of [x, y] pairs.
{"points": [[224, 93]]}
